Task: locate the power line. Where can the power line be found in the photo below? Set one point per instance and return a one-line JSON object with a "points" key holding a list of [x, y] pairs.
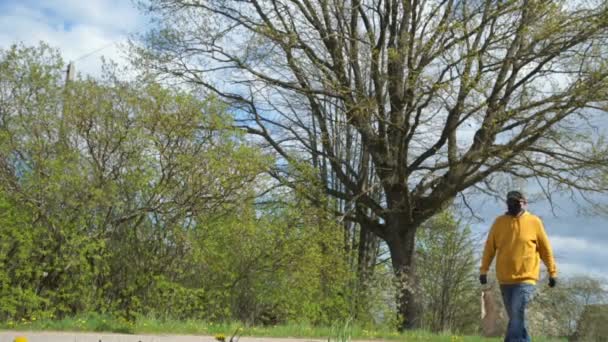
{"points": [[120, 39], [93, 52], [70, 70]]}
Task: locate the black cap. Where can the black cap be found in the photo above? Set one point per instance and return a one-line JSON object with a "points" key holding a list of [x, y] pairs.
{"points": [[515, 195]]}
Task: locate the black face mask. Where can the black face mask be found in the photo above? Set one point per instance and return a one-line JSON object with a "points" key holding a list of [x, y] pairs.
{"points": [[514, 207]]}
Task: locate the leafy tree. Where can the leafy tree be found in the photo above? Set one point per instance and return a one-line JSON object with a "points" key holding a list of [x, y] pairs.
{"points": [[560, 311], [268, 268], [108, 176], [46, 256], [399, 106], [446, 258], [131, 198], [590, 326]]}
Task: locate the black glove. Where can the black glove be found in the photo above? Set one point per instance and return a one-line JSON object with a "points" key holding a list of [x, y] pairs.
{"points": [[552, 282], [483, 279]]}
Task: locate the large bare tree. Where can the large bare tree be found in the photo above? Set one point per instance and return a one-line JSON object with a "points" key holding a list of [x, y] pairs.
{"points": [[400, 105]]}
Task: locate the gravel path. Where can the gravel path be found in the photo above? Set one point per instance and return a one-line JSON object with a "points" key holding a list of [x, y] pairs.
{"points": [[9, 336]]}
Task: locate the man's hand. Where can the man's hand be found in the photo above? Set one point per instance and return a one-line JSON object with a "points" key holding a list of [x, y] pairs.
{"points": [[483, 279], [552, 282]]}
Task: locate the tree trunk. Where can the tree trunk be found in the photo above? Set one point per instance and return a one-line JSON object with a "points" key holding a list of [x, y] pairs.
{"points": [[366, 260], [402, 248], [366, 255]]}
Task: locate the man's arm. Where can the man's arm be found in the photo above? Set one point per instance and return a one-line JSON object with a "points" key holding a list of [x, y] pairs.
{"points": [[488, 251], [545, 251]]}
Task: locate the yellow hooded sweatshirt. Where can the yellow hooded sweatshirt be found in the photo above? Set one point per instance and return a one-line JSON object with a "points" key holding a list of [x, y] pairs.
{"points": [[519, 242]]}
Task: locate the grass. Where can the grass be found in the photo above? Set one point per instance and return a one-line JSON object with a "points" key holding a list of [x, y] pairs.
{"points": [[144, 325]]}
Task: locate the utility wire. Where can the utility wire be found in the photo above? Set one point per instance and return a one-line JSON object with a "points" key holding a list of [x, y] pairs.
{"points": [[102, 48], [93, 52]]}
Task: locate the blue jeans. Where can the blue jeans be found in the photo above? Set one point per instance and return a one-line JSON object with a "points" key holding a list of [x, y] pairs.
{"points": [[516, 297]]}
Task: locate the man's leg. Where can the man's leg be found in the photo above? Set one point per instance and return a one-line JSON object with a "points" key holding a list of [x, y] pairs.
{"points": [[526, 293], [518, 299], [507, 295]]}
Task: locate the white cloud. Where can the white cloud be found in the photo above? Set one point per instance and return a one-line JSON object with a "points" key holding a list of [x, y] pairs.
{"points": [[572, 269], [77, 28], [113, 15], [577, 246], [579, 256]]}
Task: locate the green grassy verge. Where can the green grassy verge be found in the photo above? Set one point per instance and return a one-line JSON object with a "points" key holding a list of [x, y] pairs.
{"points": [[103, 323]]}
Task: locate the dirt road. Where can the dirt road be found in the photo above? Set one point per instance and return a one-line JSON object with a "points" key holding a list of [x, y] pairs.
{"points": [[9, 336]]}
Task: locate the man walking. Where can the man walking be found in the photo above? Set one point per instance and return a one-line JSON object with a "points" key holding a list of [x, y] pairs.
{"points": [[519, 241]]}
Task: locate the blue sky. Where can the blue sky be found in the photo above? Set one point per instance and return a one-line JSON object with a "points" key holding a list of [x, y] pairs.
{"points": [[79, 27]]}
